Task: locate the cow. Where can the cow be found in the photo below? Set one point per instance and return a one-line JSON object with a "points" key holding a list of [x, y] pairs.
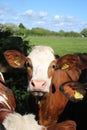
{"points": [[16, 121], [11, 120], [64, 80], [46, 74], [7, 99]]}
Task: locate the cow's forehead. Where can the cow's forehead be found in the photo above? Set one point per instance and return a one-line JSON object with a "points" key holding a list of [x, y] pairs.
{"points": [[42, 48], [41, 55]]}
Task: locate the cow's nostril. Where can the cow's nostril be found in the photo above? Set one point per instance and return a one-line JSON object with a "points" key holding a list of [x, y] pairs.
{"points": [[38, 85], [32, 83], [44, 84]]}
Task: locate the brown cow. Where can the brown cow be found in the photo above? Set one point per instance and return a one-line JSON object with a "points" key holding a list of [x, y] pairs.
{"points": [[7, 100], [64, 78]]}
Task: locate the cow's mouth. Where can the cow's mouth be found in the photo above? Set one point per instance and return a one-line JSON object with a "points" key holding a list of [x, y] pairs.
{"points": [[38, 93]]}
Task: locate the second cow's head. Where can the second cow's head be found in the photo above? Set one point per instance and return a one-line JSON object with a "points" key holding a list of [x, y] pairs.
{"points": [[41, 64]]}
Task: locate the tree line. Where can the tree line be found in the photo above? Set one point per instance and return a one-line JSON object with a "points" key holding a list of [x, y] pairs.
{"points": [[21, 30]]}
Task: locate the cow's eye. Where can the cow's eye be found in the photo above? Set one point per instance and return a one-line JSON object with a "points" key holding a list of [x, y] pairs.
{"points": [[27, 64], [54, 66]]}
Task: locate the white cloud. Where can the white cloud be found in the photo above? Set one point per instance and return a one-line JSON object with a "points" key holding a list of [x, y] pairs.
{"points": [[58, 17], [43, 15], [39, 23], [67, 23], [29, 13]]}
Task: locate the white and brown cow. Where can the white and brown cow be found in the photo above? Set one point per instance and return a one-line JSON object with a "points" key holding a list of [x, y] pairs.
{"points": [[16, 121]]}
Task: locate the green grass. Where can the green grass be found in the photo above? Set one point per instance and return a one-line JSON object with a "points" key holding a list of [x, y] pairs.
{"points": [[61, 45]]}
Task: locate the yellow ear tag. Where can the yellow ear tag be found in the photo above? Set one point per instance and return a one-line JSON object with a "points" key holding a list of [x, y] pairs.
{"points": [[17, 62], [78, 95], [65, 66]]}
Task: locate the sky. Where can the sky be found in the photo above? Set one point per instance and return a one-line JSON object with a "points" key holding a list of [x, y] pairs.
{"points": [[54, 15]]}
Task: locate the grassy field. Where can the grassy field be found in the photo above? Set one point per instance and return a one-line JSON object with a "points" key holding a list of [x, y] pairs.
{"points": [[60, 45]]}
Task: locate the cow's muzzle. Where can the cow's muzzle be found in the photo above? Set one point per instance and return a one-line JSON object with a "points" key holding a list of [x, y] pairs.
{"points": [[38, 93]]}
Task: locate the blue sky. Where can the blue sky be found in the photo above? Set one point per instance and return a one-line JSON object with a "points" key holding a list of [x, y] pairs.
{"points": [[55, 15]]}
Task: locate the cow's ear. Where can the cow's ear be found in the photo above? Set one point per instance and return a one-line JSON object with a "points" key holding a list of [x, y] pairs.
{"points": [[68, 61], [15, 58], [73, 90], [83, 59]]}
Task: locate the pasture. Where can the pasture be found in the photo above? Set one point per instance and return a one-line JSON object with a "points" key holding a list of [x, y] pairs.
{"points": [[61, 45]]}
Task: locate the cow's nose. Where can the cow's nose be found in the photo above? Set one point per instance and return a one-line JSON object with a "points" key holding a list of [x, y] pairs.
{"points": [[38, 85]]}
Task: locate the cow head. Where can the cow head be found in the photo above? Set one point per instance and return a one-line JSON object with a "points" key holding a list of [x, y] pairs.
{"points": [[40, 64], [44, 64]]}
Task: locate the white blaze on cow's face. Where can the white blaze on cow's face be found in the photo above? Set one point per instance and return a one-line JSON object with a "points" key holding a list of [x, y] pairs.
{"points": [[41, 57]]}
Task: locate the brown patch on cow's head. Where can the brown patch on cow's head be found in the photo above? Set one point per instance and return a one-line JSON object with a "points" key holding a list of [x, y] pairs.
{"points": [[52, 68]]}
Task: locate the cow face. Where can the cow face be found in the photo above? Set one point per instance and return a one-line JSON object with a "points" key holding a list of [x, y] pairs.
{"points": [[44, 63], [40, 64]]}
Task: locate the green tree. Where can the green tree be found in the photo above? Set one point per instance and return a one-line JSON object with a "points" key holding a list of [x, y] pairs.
{"points": [[72, 34], [84, 32], [22, 26], [8, 29], [16, 79]]}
